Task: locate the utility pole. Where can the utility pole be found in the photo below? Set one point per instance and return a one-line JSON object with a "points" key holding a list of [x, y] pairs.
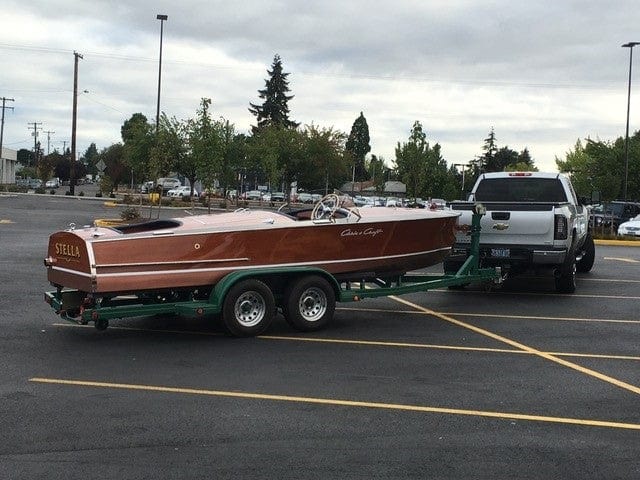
{"points": [[35, 128], [4, 99], [49, 133], [72, 180]]}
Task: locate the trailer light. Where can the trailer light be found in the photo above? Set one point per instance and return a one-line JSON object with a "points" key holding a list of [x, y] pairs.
{"points": [[200, 311], [356, 298], [94, 315]]}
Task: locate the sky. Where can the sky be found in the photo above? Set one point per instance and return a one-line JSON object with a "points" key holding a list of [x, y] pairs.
{"points": [[543, 74]]}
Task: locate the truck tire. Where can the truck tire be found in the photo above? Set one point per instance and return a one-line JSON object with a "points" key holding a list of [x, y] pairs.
{"points": [[566, 279], [585, 263], [309, 303], [248, 308]]}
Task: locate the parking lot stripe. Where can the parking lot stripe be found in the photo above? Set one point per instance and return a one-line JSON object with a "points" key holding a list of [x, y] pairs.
{"points": [[499, 315], [618, 259], [375, 343], [521, 346], [338, 402]]}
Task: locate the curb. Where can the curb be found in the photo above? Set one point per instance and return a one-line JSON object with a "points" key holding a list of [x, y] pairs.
{"points": [[618, 243]]}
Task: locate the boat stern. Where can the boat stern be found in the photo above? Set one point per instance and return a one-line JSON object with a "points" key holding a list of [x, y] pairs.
{"points": [[68, 261]]}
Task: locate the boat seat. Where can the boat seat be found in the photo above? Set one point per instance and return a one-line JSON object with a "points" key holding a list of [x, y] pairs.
{"points": [[148, 226]]}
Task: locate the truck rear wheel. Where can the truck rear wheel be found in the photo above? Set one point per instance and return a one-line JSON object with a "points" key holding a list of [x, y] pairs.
{"points": [[585, 263], [309, 303], [248, 308], [566, 279]]}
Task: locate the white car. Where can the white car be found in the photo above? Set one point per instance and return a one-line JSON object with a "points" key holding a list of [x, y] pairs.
{"points": [[631, 227], [53, 183], [183, 191]]}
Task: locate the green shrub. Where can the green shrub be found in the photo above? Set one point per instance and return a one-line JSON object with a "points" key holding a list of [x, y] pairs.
{"points": [[130, 213]]}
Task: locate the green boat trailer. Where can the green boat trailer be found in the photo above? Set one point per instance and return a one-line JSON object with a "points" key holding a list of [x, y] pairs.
{"points": [[306, 295]]}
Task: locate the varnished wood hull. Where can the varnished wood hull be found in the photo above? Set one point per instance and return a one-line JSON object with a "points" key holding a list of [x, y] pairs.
{"points": [[199, 251]]}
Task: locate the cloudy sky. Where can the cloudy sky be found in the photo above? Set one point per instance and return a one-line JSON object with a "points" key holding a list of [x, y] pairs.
{"points": [[542, 73]]}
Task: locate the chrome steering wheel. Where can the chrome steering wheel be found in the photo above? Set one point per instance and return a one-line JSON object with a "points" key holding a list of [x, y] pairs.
{"points": [[326, 207]]}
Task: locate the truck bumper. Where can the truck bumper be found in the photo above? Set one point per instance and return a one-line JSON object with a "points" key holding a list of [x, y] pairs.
{"points": [[521, 257], [549, 257]]}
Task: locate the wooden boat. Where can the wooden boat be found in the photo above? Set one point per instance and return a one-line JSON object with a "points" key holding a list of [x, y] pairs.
{"points": [[195, 251]]}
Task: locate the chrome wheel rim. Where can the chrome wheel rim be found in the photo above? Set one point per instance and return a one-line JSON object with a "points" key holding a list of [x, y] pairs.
{"points": [[250, 309], [312, 304]]}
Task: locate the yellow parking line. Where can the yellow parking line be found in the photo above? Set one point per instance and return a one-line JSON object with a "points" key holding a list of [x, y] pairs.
{"points": [[375, 343], [340, 403], [619, 259], [498, 315], [521, 346]]}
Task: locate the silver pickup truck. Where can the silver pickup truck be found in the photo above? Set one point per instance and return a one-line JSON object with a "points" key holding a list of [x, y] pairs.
{"points": [[534, 221]]}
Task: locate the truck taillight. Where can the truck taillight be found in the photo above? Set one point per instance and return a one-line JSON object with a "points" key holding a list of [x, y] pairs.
{"points": [[560, 231]]}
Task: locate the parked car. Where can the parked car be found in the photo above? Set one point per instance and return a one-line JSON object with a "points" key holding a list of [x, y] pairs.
{"points": [[631, 228], [168, 184], [35, 183], [52, 183], [277, 197], [610, 215], [253, 195], [182, 191], [146, 187], [304, 197]]}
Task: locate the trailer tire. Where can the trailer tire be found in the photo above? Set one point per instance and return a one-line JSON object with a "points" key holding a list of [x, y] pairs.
{"points": [[309, 303], [248, 308]]}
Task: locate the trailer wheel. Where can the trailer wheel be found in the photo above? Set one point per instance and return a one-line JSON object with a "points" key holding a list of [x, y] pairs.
{"points": [[309, 303], [248, 308]]}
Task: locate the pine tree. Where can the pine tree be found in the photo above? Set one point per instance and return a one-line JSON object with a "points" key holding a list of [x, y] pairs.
{"points": [[274, 111], [358, 146]]}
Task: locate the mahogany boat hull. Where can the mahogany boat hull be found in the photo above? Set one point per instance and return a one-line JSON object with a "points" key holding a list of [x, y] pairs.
{"points": [[199, 251]]}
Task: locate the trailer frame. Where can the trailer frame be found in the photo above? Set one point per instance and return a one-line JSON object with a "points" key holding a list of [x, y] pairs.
{"points": [[81, 307]]}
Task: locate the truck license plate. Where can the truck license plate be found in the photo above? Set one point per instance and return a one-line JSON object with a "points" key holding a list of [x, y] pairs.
{"points": [[500, 252]]}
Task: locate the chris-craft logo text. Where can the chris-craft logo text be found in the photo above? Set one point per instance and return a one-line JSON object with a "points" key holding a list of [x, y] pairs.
{"points": [[367, 232]]}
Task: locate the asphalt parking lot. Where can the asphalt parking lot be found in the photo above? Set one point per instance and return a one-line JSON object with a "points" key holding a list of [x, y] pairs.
{"points": [[518, 382]]}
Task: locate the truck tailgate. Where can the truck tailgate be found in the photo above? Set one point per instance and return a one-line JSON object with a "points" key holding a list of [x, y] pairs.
{"points": [[511, 223]]}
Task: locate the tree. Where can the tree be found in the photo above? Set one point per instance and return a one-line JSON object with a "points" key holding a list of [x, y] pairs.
{"points": [[274, 111], [376, 169], [322, 159], [358, 147], [204, 156], [423, 169], [279, 151], [88, 158], [490, 149], [116, 168], [138, 139]]}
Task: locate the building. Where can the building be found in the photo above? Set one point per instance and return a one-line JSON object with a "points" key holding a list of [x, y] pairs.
{"points": [[8, 162]]}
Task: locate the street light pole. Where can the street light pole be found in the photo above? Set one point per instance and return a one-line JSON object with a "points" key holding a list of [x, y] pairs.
{"points": [[630, 46], [162, 18]]}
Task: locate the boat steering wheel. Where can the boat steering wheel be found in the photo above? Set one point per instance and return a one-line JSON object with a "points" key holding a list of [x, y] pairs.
{"points": [[329, 205], [326, 207]]}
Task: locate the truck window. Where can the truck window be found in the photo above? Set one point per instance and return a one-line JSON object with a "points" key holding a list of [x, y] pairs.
{"points": [[524, 189]]}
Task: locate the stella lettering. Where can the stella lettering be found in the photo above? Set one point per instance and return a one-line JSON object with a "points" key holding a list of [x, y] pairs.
{"points": [[67, 250]]}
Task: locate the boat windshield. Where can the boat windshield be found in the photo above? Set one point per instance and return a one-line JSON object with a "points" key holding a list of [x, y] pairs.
{"points": [[148, 226]]}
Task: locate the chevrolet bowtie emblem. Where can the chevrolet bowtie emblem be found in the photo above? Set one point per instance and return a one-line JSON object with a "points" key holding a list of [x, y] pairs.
{"points": [[500, 226]]}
